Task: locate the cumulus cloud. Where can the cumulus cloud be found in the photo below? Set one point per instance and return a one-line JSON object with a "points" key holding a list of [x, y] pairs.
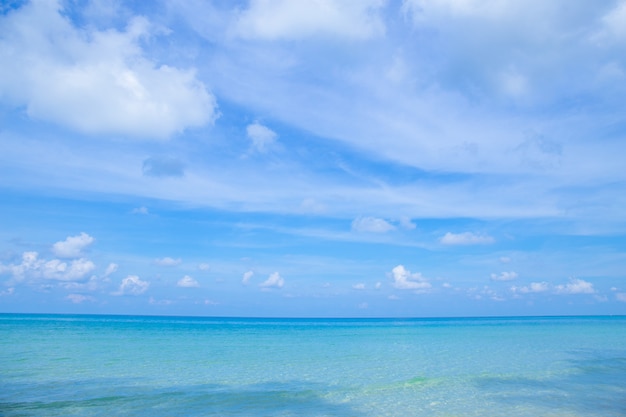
{"points": [[533, 287], [262, 137], [96, 82], [621, 296], [371, 224], [163, 166], [467, 238], [73, 246], [273, 281], [575, 286], [32, 267], [504, 276], [405, 280], [246, 277], [204, 267], [296, 19], [359, 286], [132, 285], [188, 282], [63, 271], [167, 261]]}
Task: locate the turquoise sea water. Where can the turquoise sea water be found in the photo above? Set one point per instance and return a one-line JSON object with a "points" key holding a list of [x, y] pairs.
{"points": [[58, 365]]}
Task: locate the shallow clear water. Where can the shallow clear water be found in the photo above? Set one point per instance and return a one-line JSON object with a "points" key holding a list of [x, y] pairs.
{"points": [[54, 365]]}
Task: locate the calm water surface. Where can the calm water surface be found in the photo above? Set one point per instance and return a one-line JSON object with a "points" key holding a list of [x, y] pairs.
{"points": [[59, 365]]}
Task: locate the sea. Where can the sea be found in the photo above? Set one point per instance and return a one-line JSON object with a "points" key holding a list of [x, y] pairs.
{"points": [[81, 365]]}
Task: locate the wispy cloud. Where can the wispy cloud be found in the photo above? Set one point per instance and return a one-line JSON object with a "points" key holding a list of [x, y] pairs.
{"points": [[247, 276], [286, 19], [533, 287], [371, 224], [163, 166], [140, 210], [263, 138], [504, 276], [466, 238], [337, 133], [80, 298]]}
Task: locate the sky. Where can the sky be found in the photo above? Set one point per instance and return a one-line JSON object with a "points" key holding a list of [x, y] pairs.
{"points": [[300, 158]]}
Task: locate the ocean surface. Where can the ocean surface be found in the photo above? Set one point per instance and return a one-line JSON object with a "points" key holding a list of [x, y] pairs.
{"points": [[65, 365]]}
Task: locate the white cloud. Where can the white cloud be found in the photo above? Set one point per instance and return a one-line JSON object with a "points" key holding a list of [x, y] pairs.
{"points": [[534, 287], [246, 277], [112, 268], [92, 284], [167, 261], [405, 280], [96, 82], [140, 210], [371, 224], [406, 223], [505, 259], [359, 286], [295, 19], [479, 8], [80, 298], [188, 282], [513, 83], [204, 267], [263, 139], [163, 166], [132, 285], [504, 276], [32, 267], [273, 281], [73, 246], [156, 302], [621, 296], [7, 292], [614, 23], [575, 286], [467, 238], [378, 285], [62, 271], [310, 205]]}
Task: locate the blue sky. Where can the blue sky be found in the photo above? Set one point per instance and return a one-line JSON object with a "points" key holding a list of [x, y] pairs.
{"points": [[313, 158]]}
